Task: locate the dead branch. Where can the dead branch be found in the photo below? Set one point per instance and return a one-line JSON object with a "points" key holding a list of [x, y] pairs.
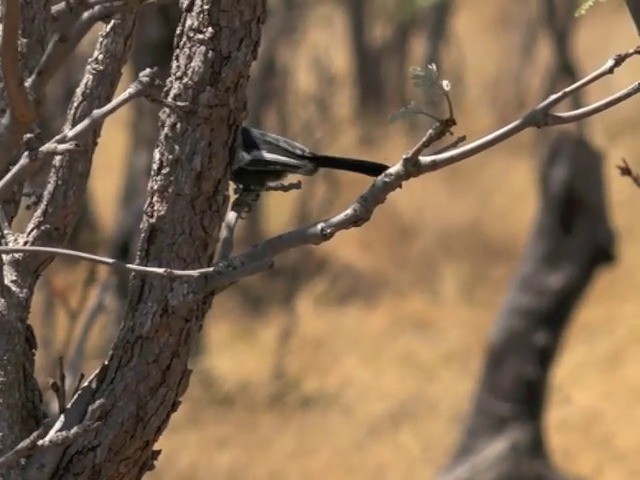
{"points": [[146, 83], [626, 171], [259, 257], [21, 108]]}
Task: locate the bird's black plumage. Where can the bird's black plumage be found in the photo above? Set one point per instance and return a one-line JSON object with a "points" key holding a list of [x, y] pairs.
{"points": [[263, 158]]}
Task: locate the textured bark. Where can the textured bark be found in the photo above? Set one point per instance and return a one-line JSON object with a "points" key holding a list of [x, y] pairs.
{"points": [[152, 48], [21, 410], [141, 383], [503, 436], [20, 399]]}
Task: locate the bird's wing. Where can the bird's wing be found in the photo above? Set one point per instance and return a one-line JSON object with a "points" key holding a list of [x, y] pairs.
{"points": [[257, 140], [267, 162]]}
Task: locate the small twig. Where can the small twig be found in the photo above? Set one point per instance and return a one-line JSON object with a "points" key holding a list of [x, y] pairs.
{"points": [[451, 145], [81, 378], [259, 257], [62, 379], [72, 30], [55, 387], [87, 323], [540, 116], [221, 274], [241, 205], [626, 171], [145, 82], [411, 159]]}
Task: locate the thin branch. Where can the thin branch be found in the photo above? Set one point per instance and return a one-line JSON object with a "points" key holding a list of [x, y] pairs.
{"points": [[143, 85], [259, 257], [595, 108], [72, 31], [540, 116], [241, 205], [24, 98], [61, 395], [87, 323], [451, 145], [626, 171], [221, 274], [21, 108]]}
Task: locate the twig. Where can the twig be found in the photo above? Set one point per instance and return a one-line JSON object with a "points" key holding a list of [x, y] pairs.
{"points": [[451, 145], [626, 171], [219, 275], [411, 159], [259, 257], [362, 209], [540, 116], [62, 381], [145, 82], [241, 204], [95, 308], [72, 31]]}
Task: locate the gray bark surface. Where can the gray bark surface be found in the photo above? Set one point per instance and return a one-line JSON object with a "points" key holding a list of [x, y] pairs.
{"points": [[146, 373]]}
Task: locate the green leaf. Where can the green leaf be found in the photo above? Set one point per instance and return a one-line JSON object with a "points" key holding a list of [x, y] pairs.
{"points": [[405, 112], [584, 6]]}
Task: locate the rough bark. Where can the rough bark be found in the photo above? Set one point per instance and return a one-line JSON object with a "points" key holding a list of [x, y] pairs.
{"points": [[503, 436], [140, 385], [152, 48], [51, 224]]}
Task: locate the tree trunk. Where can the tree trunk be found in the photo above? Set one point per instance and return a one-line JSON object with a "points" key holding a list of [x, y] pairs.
{"points": [[129, 400], [141, 383], [503, 437]]}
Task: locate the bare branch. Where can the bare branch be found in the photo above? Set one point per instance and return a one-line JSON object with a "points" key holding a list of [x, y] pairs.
{"points": [[21, 108], [259, 257], [90, 317], [626, 171], [593, 109], [71, 32], [36, 441], [143, 85], [25, 447], [540, 116], [241, 205], [24, 98], [451, 145], [221, 274]]}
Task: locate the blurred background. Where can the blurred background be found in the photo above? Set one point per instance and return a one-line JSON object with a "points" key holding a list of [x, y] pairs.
{"points": [[358, 359]]}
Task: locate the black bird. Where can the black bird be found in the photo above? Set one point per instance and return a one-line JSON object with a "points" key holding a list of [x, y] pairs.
{"points": [[263, 158]]}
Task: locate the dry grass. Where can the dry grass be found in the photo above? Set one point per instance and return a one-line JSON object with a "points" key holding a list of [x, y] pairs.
{"points": [[379, 383]]}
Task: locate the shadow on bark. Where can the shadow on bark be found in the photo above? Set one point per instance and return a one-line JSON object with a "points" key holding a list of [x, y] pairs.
{"points": [[503, 437]]}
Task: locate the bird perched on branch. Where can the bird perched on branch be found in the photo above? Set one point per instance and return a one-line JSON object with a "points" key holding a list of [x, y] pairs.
{"points": [[263, 158]]}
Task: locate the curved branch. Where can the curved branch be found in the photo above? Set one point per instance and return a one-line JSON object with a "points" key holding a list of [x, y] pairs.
{"points": [[21, 108]]}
